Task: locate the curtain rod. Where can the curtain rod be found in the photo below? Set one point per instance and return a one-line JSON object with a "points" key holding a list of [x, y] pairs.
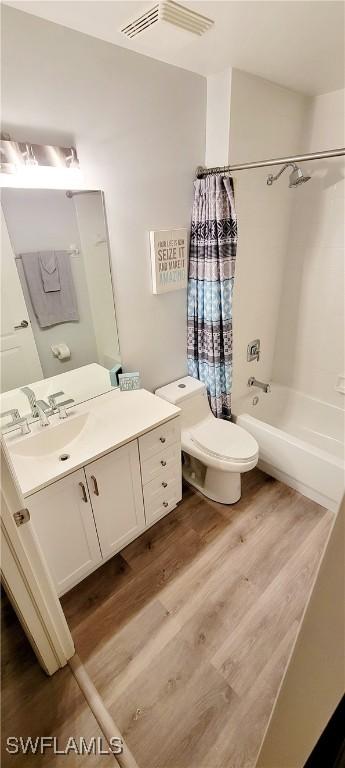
{"points": [[200, 171]]}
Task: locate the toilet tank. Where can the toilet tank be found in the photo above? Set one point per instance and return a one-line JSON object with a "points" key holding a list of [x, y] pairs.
{"points": [[190, 395]]}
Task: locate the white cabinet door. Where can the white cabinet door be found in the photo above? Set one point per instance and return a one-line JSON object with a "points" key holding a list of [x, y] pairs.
{"points": [[115, 489], [62, 517]]}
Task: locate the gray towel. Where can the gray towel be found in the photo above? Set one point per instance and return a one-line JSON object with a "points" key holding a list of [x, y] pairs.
{"points": [[49, 271], [56, 306]]}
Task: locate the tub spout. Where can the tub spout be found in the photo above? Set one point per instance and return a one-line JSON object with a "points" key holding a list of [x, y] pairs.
{"points": [[253, 382]]}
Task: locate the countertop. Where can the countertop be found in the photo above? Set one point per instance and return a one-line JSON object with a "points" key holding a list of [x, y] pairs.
{"points": [[111, 420]]}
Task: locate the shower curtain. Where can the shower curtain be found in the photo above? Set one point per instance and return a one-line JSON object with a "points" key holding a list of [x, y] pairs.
{"points": [[210, 288]]}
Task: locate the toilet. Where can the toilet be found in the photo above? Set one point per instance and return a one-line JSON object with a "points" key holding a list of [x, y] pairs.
{"points": [[215, 451]]}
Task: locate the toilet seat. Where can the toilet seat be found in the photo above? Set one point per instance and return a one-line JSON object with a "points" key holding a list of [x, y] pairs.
{"points": [[224, 440]]}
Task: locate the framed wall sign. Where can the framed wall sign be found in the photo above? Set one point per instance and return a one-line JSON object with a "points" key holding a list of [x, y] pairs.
{"points": [[168, 260]]}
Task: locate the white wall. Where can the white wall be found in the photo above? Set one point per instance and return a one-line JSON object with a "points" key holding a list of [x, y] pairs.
{"points": [[309, 352], [139, 126], [218, 118], [265, 122], [39, 220]]}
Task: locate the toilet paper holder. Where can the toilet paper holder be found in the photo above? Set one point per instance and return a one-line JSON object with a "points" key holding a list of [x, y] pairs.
{"points": [[61, 351]]}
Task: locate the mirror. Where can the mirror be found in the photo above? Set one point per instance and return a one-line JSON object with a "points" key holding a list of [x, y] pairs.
{"points": [[58, 322]]}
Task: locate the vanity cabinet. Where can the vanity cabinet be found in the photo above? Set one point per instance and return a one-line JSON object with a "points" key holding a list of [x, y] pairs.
{"points": [[160, 458], [64, 523], [114, 485], [92, 513]]}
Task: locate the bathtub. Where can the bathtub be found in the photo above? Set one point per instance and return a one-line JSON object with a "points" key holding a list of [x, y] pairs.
{"points": [[301, 440]]}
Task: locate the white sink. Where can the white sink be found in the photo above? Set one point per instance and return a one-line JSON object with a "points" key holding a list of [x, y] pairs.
{"points": [[51, 439]]}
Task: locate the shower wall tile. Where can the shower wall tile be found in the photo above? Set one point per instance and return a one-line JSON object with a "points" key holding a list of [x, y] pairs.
{"points": [[265, 121], [310, 343]]}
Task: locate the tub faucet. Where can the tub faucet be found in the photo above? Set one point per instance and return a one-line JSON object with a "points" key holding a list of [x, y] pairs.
{"points": [[253, 382]]}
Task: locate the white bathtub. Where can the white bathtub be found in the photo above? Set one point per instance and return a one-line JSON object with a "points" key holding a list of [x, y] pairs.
{"points": [[301, 440]]}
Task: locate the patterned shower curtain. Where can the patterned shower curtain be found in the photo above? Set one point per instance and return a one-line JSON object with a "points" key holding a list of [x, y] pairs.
{"points": [[210, 289]]}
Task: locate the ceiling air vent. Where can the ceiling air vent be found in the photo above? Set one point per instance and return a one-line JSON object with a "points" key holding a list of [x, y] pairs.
{"points": [[167, 15]]}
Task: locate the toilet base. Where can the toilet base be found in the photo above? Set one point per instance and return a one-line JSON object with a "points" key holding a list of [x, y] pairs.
{"points": [[224, 487]]}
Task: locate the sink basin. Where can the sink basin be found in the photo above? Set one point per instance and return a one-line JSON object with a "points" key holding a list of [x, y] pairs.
{"points": [[51, 439]]}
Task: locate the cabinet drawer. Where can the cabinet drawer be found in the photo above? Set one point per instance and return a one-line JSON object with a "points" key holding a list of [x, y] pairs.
{"points": [[162, 464], [163, 481], [156, 440], [158, 500]]}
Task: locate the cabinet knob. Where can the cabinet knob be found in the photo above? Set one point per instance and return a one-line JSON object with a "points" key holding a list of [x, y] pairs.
{"points": [[82, 486], [164, 485], [163, 463], [162, 439], [165, 504]]}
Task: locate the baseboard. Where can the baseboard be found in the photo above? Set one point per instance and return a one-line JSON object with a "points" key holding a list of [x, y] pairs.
{"points": [[99, 710]]}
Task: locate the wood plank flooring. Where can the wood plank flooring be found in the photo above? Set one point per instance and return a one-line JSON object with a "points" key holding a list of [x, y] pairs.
{"points": [[33, 704], [186, 634]]}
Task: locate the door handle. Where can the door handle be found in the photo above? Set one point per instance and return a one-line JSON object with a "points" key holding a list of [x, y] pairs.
{"points": [[95, 485], [23, 324], [82, 486], [163, 463]]}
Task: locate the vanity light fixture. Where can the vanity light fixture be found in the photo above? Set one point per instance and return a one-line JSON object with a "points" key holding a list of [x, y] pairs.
{"points": [[29, 156], [35, 165], [72, 160]]}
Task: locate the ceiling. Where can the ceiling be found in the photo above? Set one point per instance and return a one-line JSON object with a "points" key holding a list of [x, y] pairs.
{"points": [[296, 43]]}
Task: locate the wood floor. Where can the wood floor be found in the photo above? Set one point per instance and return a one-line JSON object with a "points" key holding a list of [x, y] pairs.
{"points": [[186, 633], [33, 704]]}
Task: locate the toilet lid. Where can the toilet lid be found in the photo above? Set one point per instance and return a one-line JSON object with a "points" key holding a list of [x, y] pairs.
{"points": [[225, 440]]}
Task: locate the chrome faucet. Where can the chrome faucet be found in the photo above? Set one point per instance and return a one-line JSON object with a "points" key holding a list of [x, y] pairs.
{"points": [[59, 407], [253, 382], [42, 409], [17, 420], [32, 400], [39, 408]]}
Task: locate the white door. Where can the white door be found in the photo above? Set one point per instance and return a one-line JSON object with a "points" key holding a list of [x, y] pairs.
{"points": [[27, 579], [62, 518], [19, 359], [115, 488]]}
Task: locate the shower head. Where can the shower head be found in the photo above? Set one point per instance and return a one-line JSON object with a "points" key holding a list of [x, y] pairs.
{"points": [[296, 176]]}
